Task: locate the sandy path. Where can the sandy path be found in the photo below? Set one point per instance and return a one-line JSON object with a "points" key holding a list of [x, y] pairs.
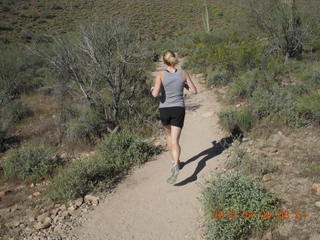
{"points": [[144, 206]]}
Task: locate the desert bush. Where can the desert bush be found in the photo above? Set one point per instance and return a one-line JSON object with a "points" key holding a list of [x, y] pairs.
{"points": [[288, 25], [232, 119], [82, 177], [127, 147], [115, 154], [309, 106], [101, 64], [264, 165], [85, 124], [239, 159], [31, 162], [244, 86], [4, 128], [15, 111], [232, 54], [17, 71], [11, 83], [218, 77], [245, 198]]}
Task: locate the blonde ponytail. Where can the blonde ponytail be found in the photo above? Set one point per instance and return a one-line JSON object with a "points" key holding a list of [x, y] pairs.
{"points": [[170, 58]]}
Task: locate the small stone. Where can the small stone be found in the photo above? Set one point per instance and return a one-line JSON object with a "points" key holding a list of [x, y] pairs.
{"points": [[32, 185], [78, 202], [5, 193], [31, 219], [63, 207], [57, 205], [317, 204], [72, 208], [43, 216], [30, 197], [13, 209], [16, 223], [91, 199], [29, 230], [266, 178], [315, 187], [35, 194], [40, 225], [54, 212], [66, 214]]}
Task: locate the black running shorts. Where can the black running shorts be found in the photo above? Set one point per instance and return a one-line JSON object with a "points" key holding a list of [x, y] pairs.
{"points": [[172, 116]]}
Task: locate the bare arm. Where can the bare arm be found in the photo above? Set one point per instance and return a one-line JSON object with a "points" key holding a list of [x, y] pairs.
{"points": [[190, 85], [157, 84]]}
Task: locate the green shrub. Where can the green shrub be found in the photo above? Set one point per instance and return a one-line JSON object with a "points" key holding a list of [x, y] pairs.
{"points": [[264, 165], [85, 125], [218, 77], [309, 106], [126, 148], [232, 119], [82, 177], [239, 159], [244, 85], [17, 71], [241, 195], [31, 163], [265, 102], [16, 111], [115, 154]]}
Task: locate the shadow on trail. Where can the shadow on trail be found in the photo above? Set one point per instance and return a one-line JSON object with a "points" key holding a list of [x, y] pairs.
{"points": [[209, 153]]}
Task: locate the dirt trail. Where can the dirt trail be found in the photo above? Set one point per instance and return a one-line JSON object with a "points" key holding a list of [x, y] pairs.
{"points": [[144, 206]]}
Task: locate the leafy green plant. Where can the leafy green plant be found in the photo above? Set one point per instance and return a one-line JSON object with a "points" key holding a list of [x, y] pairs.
{"points": [[238, 160], [30, 163], [218, 77], [16, 111], [116, 153], [85, 125], [245, 198], [309, 106], [232, 119]]}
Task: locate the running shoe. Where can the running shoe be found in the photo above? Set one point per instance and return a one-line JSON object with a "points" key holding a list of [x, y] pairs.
{"points": [[173, 178]]}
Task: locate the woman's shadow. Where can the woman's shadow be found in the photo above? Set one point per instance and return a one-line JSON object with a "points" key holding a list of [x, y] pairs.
{"points": [[209, 153]]}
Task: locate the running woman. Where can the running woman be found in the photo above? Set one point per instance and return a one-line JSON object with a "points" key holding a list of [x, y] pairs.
{"points": [[170, 83]]}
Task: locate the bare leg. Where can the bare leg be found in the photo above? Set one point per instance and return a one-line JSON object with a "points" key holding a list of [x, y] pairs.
{"points": [[175, 137], [167, 129]]}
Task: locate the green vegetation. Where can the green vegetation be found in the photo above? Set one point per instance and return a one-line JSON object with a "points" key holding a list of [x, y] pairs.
{"points": [[32, 20], [273, 77], [243, 204], [246, 165], [232, 119], [31, 162], [116, 153], [102, 66]]}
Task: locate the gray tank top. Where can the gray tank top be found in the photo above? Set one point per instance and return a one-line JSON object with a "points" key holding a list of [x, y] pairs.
{"points": [[172, 89]]}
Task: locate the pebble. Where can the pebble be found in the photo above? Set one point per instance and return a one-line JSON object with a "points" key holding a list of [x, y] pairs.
{"points": [[317, 204], [91, 199], [266, 178], [36, 194], [5, 193], [43, 216], [78, 202], [45, 224]]}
